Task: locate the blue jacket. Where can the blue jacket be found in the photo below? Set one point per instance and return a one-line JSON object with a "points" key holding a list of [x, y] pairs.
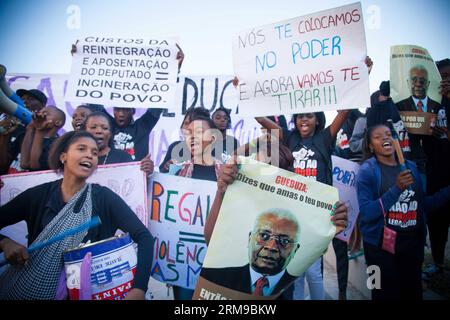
{"points": [[369, 189]]}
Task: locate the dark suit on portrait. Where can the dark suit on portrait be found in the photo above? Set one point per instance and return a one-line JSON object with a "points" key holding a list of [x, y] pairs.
{"points": [[238, 278], [409, 105], [417, 141]]}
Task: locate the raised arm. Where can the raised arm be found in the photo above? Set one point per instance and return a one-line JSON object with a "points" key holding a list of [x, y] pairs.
{"points": [[338, 122], [25, 150], [36, 149], [271, 126]]}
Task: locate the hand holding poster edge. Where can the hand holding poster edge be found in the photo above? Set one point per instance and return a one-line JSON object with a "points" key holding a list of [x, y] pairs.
{"points": [[339, 216]]}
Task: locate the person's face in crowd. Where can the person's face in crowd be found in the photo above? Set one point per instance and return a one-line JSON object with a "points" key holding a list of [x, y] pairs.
{"points": [[32, 103], [81, 158], [52, 117], [221, 120], [123, 116], [79, 117], [418, 82], [99, 128], [381, 142], [382, 98], [272, 244], [198, 137], [445, 72], [306, 124]]}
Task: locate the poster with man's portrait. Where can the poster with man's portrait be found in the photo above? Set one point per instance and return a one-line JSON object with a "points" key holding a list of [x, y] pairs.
{"points": [[414, 82], [272, 225]]}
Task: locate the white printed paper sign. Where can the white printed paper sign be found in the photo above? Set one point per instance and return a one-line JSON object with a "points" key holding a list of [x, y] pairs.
{"points": [[179, 208], [345, 173], [306, 64], [128, 73]]}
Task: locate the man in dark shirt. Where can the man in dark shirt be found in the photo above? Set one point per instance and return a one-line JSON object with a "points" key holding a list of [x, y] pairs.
{"points": [[132, 135]]}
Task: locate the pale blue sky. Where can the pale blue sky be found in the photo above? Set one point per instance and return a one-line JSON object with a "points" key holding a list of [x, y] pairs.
{"points": [[36, 38]]}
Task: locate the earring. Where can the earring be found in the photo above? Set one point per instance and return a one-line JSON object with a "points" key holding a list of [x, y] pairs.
{"points": [[371, 150], [62, 161]]}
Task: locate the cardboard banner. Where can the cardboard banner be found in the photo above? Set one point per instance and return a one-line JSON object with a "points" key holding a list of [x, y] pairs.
{"points": [[131, 187], [413, 73], [272, 222], [418, 122], [311, 63], [179, 208], [210, 92], [345, 173], [128, 73]]}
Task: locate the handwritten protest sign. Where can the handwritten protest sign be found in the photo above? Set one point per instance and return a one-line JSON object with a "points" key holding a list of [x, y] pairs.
{"points": [[179, 208], [413, 73], [280, 230], [132, 188], [418, 122], [133, 73], [306, 64], [345, 173]]}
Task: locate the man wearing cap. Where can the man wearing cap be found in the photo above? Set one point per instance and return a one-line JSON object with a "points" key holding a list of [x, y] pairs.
{"points": [[34, 99], [11, 139]]}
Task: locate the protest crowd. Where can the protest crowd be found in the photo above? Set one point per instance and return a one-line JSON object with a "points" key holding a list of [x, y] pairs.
{"points": [[402, 188]]}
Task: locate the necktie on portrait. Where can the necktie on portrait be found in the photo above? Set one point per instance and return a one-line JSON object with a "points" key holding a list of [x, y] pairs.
{"points": [[260, 284], [420, 106]]}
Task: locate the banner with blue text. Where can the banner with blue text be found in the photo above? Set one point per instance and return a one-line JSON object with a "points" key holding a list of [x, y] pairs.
{"points": [[311, 63]]}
